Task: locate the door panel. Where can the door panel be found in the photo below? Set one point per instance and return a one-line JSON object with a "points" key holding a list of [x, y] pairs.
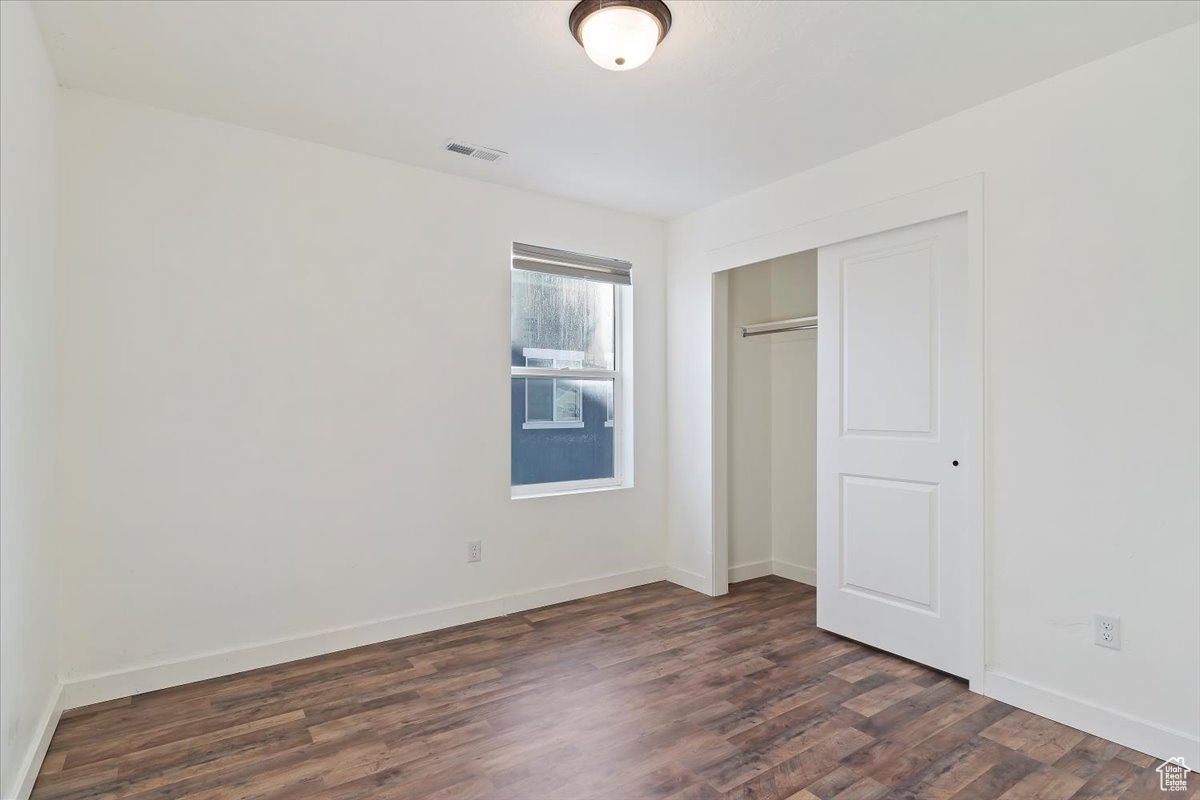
{"points": [[891, 419], [886, 300], [889, 540]]}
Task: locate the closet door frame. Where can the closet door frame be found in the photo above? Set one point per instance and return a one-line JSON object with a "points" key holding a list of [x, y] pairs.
{"points": [[960, 196]]}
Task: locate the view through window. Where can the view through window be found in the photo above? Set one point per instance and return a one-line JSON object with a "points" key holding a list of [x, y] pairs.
{"points": [[565, 385]]}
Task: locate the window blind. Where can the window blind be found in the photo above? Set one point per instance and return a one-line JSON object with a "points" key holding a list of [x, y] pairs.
{"points": [[573, 265]]}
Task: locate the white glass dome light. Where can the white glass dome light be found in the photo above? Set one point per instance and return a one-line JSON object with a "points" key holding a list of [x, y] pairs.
{"points": [[619, 38], [620, 34]]}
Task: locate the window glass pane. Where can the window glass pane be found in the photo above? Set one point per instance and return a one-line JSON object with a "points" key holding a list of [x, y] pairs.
{"points": [[568, 320], [567, 406], [561, 449], [539, 399]]}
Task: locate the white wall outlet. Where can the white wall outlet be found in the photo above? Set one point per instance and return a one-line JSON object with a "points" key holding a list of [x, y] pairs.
{"points": [[1107, 631], [474, 551]]}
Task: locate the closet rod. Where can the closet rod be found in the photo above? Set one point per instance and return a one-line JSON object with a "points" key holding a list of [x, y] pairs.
{"points": [[797, 324]]}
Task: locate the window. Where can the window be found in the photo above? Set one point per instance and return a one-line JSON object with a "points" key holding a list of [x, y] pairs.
{"points": [[566, 370]]}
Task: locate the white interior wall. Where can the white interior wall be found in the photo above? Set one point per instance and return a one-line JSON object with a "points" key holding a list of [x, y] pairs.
{"points": [[793, 385], [28, 581], [749, 430], [1092, 192], [285, 383]]}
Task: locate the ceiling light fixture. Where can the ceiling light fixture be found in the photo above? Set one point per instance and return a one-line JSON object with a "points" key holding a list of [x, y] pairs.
{"points": [[620, 34]]}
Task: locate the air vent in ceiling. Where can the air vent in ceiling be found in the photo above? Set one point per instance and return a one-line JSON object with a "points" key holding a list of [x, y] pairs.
{"points": [[474, 151]]}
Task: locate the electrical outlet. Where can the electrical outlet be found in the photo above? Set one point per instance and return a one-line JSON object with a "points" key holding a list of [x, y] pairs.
{"points": [[1107, 631], [474, 551]]}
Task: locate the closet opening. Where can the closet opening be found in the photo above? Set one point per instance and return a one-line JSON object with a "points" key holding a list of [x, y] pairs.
{"points": [[771, 404]]}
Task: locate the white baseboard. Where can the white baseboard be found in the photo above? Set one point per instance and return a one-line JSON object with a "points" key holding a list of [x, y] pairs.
{"points": [[37, 750], [549, 595], [1132, 732], [122, 683], [794, 572], [688, 579], [745, 572], [748, 572]]}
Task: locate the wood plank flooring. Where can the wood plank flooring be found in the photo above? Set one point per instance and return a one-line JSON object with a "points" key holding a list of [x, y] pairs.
{"points": [[654, 692]]}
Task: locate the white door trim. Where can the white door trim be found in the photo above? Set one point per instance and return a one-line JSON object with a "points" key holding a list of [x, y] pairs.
{"points": [[719, 574], [955, 197]]}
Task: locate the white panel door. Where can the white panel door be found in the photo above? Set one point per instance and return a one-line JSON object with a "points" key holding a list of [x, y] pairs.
{"points": [[891, 438]]}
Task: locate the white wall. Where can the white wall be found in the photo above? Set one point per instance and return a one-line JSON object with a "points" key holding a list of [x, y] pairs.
{"points": [[749, 431], [794, 419], [28, 589], [1092, 350], [285, 408]]}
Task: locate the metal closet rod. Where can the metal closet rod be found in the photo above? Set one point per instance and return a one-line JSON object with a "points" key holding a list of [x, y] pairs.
{"points": [[795, 324]]}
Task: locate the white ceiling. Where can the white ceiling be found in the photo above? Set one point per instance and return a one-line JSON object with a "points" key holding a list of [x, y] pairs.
{"points": [[739, 94]]}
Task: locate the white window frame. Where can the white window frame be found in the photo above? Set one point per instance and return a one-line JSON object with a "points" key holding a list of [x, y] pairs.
{"points": [[621, 297]]}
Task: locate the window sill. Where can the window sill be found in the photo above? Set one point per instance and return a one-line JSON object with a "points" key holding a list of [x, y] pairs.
{"points": [[530, 491], [537, 426]]}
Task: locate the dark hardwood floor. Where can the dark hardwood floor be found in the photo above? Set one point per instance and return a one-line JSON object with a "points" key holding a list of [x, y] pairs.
{"points": [[653, 692]]}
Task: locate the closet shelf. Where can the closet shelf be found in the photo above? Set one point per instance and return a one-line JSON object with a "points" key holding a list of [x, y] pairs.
{"points": [[779, 326]]}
